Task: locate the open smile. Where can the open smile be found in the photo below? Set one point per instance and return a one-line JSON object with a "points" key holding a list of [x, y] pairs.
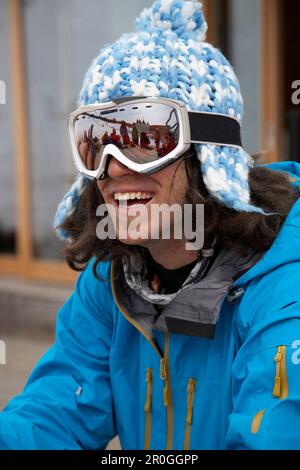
{"points": [[130, 199]]}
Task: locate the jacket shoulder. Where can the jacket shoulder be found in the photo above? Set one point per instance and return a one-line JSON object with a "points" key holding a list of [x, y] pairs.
{"points": [[93, 292], [95, 276], [272, 297]]}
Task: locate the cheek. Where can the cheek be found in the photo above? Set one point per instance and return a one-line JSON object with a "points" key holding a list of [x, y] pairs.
{"points": [[100, 185], [173, 187], [173, 174], [177, 182]]}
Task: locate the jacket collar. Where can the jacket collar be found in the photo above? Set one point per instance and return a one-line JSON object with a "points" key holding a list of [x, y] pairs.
{"points": [[136, 275], [194, 310]]}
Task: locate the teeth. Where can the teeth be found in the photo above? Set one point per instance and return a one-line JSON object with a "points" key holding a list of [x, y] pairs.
{"points": [[128, 196]]}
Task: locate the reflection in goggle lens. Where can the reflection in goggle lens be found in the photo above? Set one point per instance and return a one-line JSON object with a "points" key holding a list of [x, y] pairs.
{"points": [[143, 132]]}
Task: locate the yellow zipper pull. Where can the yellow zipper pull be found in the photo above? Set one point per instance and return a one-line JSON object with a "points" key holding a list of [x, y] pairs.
{"points": [[147, 408], [163, 369], [149, 390], [277, 380], [166, 394], [189, 414], [191, 391], [163, 375], [276, 388], [279, 354]]}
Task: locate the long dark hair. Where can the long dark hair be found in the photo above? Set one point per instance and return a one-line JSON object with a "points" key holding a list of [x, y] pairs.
{"points": [[271, 190]]}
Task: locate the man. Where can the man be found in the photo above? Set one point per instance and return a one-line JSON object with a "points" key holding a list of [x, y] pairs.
{"points": [[164, 345]]}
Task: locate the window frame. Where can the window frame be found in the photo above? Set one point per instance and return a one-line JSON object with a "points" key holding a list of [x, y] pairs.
{"points": [[23, 264]]}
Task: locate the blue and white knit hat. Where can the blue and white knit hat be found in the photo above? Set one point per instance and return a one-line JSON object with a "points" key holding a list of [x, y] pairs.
{"points": [[167, 56]]}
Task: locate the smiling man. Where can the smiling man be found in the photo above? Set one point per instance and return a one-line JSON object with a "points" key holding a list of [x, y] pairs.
{"points": [[166, 346], [149, 197]]}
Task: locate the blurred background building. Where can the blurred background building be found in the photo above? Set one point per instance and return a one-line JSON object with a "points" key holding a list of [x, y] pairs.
{"points": [[45, 48]]}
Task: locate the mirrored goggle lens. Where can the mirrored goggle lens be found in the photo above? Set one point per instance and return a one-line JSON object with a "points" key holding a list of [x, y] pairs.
{"points": [[144, 132]]}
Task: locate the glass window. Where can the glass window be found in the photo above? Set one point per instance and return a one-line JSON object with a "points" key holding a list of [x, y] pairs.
{"points": [[220, 11], [244, 50], [7, 168], [290, 37], [61, 39]]}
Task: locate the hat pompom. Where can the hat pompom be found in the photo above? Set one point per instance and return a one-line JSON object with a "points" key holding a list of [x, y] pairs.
{"points": [[185, 18]]}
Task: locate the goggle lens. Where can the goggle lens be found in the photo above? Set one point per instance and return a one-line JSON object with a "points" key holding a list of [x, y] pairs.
{"points": [[144, 132]]}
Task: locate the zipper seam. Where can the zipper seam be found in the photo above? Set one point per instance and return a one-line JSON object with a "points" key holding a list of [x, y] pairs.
{"points": [[164, 362], [127, 316], [168, 393]]}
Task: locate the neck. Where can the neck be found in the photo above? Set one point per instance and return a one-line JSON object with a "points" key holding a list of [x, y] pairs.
{"points": [[172, 255]]}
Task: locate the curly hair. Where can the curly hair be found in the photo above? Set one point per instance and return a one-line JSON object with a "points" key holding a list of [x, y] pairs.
{"points": [[237, 231]]}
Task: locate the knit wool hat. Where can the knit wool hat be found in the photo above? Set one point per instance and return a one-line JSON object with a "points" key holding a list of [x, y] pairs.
{"points": [[167, 56]]}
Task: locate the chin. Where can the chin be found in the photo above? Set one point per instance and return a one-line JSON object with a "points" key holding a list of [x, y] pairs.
{"points": [[131, 242], [142, 240]]}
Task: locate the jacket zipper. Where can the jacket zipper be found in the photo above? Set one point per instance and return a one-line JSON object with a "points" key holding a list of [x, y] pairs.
{"points": [[128, 317], [147, 408], [189, 415], [280, 388], [167, 392], [164, 366]]}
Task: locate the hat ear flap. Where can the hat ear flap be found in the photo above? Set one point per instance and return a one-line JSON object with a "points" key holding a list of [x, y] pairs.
{"points": [[225, 173], [67, 206]]}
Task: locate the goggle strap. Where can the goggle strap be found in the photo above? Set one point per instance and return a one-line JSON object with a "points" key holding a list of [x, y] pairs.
{"points": [[214, 128]]}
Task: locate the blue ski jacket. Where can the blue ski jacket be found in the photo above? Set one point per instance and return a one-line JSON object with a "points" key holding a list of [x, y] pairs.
{"points": [[108, 374]]}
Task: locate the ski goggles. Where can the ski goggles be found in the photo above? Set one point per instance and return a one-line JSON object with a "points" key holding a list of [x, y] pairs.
{"points": [[144, 134]]}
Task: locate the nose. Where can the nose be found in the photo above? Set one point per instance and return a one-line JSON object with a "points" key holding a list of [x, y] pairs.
{"points": [[116, 169]]}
